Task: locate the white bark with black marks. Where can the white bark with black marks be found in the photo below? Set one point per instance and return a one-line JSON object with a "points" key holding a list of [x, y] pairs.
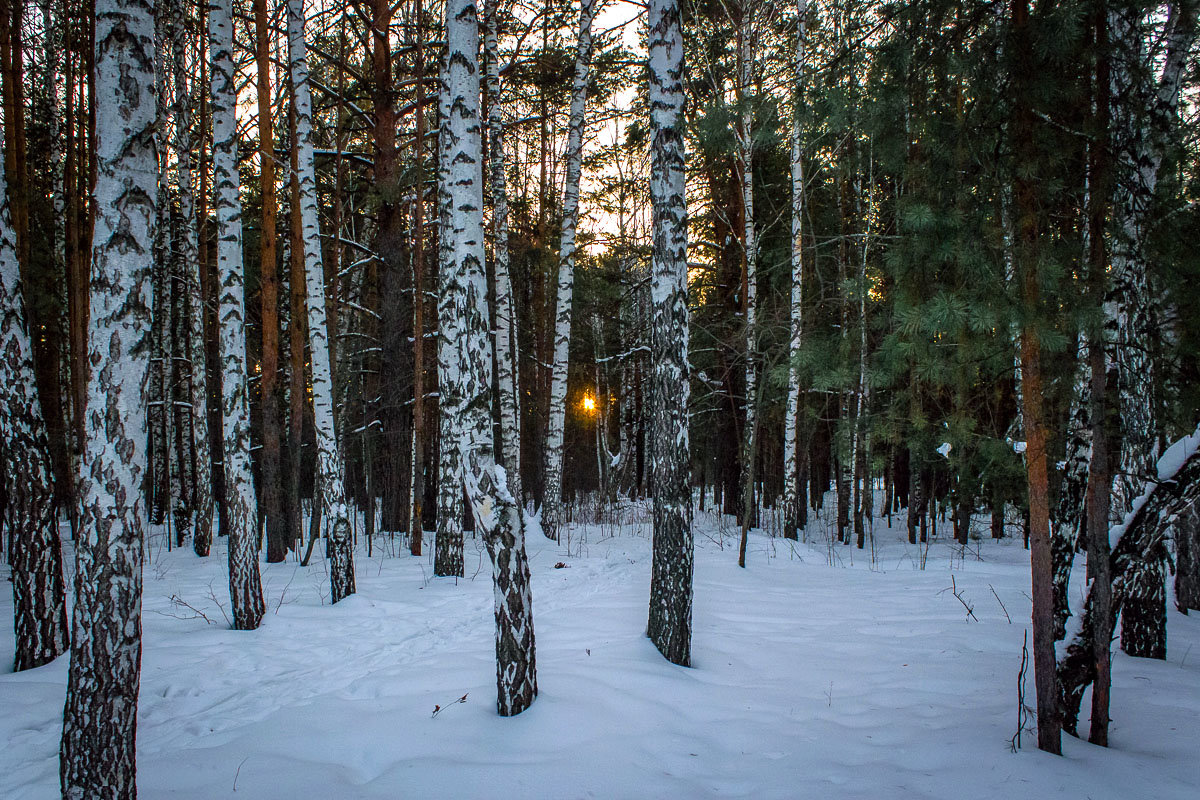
{"points": [[506, 320], [670, 619], [791, 467], [552, 515], [448, 542], [97, 757], [329, 463], [469, 386], [245, 587], [39, 593]]}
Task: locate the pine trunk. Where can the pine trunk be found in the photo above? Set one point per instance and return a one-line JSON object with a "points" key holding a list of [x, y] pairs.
{"points": [[1028, 238], [276, 522]]}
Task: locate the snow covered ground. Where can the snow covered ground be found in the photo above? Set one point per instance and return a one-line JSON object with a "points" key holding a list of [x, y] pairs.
{"points": [[850, 679]]}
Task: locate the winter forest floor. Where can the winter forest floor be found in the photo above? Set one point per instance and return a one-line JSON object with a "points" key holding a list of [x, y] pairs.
{"points": [[850, 679]]}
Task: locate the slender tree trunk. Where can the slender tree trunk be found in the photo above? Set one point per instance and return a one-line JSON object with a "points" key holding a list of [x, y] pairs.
{"points": [[100, 716], [189, 259], [496, 515], [39, 594], [448, 545], [206, 351], [746, 33], [416, 525], [329, 465], [553, 517], [506, 320], [297, 340], [793, 502], [1025, 195], [277, 528], [670, 623], [245, 587]]}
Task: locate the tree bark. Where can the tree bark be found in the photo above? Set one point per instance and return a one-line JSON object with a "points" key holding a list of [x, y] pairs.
{"points": [[506, 320], [1028, 239], [39, 594], [553, 517], [496, 515], [245, 586], [329, 465], [100, 715], [670, 622], [278, 530], [793, 501]]}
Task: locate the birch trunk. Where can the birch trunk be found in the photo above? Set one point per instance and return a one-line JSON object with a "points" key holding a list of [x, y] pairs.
{"points": [[245, 586], [448, 542], [1143, 114], [39, 594], [750, 274], [329, 467], [670, 618], [100, 715], [552, 515], [496, 515], [506, 321], [1069, 515], [791, 469]]}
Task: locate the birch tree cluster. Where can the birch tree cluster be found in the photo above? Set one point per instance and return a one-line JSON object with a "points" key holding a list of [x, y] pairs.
{"points": [[285, 276]]}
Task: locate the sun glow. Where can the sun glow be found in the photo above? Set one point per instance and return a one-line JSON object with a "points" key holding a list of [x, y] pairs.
{"points": [[588, 403]]}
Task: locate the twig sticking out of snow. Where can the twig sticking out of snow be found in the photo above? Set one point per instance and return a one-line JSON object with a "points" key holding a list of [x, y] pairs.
{"points": [[953, 589], [439, 709], [1001, 602]]}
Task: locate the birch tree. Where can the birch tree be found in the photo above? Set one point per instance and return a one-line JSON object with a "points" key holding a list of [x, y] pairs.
{"points": [[495, 512], [245, 587], [791, 467], [1143, 114], [505, 336], [187, 243], [39, 594], [670, 622], [552, 515], [448, 542], [100, 714], [329, 465], [745, 137]]}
